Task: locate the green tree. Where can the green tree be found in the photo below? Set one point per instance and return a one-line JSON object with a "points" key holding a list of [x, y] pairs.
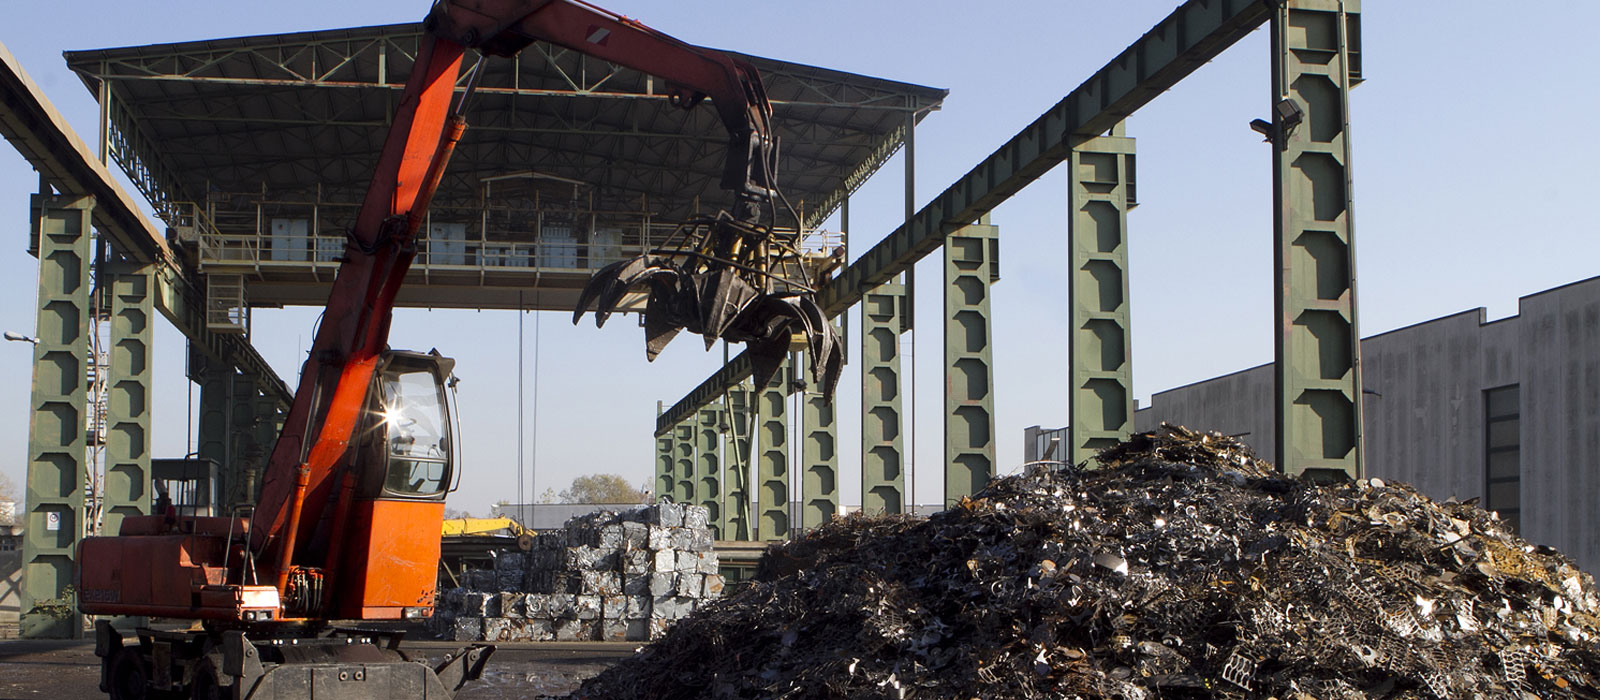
{"points": [[8, 492], [602, 488]]}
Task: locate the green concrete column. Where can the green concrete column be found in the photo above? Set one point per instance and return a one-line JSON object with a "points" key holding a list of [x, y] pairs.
{"points": [[1315, 61], [265, 430], [971, 265], [126, 488], [57, 440], [212, 425], [883, 480], [683, 462], [736, 441], [772, 457], [244, 454], [1100, 372], [819, 454], [708, 465], [665, 460]]}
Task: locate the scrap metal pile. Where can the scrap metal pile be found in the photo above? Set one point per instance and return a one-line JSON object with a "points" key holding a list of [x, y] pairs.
{"points": [[604, 576], [1183, 568]]}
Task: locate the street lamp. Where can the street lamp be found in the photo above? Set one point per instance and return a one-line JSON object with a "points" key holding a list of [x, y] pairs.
{"points": [[13, 335]]}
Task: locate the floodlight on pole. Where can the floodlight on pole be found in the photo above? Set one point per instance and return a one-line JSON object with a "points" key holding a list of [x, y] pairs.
{"points": [[13, 335]]}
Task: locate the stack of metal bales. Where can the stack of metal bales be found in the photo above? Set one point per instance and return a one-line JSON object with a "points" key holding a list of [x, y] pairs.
{"points": [[604, 576]]}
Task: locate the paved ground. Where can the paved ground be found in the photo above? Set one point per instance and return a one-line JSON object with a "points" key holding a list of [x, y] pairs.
{"points": [[68, 670]]}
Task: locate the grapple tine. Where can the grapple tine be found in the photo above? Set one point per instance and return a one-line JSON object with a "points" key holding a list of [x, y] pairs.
{"points": [[723, 297], [602, 279], [648, 271], [660, 324], [767, 354]]}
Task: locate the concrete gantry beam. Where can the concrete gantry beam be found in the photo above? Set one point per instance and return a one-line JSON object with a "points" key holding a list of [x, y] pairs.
{"points": [[1316, 48], [971, 267], [57, 441], [126, 488], [1099, 341], [1192, 35]]}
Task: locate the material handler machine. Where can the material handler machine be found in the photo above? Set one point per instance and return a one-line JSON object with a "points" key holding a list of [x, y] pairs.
{"points": [[347, 525]]}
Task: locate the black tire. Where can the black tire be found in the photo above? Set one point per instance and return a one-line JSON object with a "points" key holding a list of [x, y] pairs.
{"points": [[130, 675], [207, 683]]}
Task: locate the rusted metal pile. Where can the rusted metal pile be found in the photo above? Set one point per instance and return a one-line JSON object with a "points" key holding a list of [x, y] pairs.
{"points": [[1184, 568]]}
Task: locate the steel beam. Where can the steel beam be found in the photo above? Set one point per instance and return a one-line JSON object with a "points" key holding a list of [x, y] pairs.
{"points": [[1192, 35], [736, 441], [971, 266], [126, 487], [708, 466], [1315, 61], [57, 439], [1099, 348], [819, 455], [883, 465], [772, 457]]}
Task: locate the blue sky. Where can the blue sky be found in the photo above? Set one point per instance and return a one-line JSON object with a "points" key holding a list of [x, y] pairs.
{"points": [[1474, 157]]}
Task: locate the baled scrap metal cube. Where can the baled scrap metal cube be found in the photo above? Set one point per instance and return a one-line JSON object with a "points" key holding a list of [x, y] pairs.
{"points": [[475, 604], [611, 536], [696, 517], [468, 629], [681, 538], [636, 584], [601, 583], [714, 584], [690, 585], [536, 605], [636, 562], [509, 561], [688, 561], [636, 535], [663, 583], [570, 630], [658, 538], [669, 515], [512, 604], [638, 607], [586, 607], [665, 561], [581, 557], [658, 627], [613, 607], [541, 630], [700, 541], [495, 629], [638, 630], [561, 606], [508, 579], [706, 563], [664, 607], [614, 630]]}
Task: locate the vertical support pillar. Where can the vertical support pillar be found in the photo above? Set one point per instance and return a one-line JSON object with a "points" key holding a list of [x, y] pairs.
{"points": [[1102, 191], [683, 462], [126, 487], [772, 460], [883, 481], [736, 442], [708, 465], [266, 428], [212, 440], [666, 459], [57, 439], [819, 454], [1315, 61], [971, 265], [244, 455]]}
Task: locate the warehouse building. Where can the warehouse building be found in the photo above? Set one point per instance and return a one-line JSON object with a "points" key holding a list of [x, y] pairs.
{"points": [[1507, 411]]}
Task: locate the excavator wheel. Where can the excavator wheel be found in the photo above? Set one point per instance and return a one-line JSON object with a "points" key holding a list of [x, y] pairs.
{"points": [[129, 677], [207, 683]]}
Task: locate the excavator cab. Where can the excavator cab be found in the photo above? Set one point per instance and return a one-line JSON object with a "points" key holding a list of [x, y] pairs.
{"points": [[410, 427]]}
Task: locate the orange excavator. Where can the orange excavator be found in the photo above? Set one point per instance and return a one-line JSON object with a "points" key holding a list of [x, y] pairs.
{"points": [[347, 524]]}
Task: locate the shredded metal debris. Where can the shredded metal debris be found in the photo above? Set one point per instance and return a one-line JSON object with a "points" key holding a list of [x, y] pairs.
{"points": [[1183, 568]]}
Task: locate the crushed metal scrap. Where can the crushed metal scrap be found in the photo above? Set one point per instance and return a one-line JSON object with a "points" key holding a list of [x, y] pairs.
{"points": [[1184, 568]]}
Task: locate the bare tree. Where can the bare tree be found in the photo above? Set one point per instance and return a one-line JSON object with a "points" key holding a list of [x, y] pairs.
{"points": [[8, 492]]}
